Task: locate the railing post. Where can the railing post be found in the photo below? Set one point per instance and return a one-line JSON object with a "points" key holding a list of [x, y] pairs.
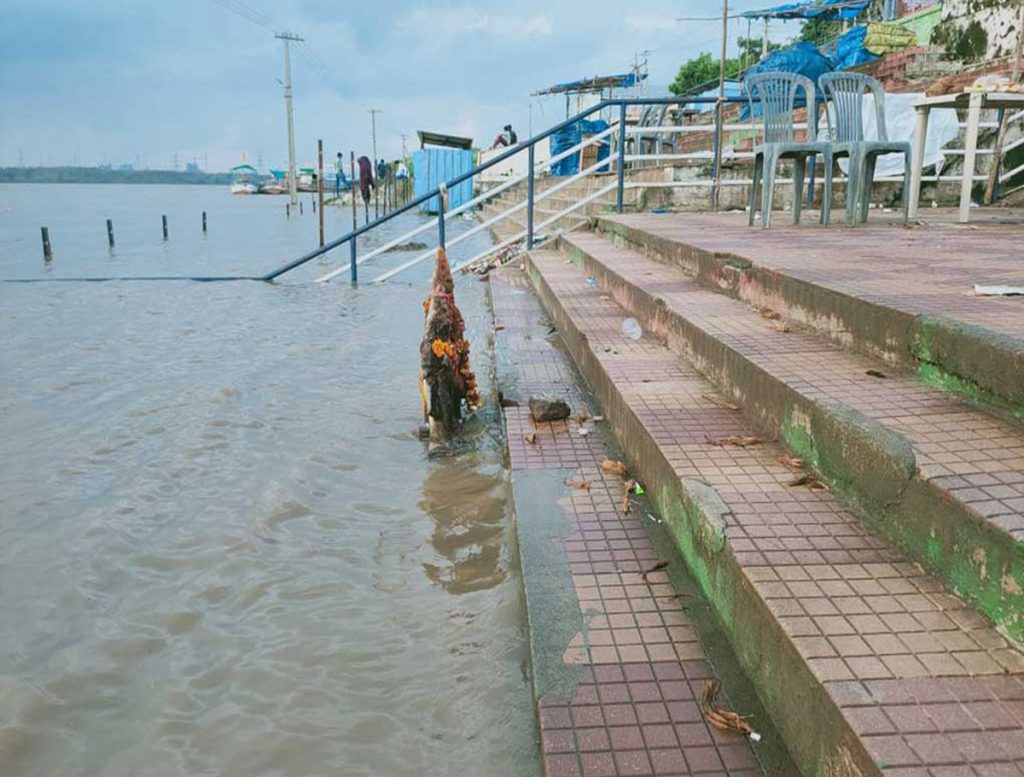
{"points": [[353, 267], [622, 158], [442, 205], [529, 199], [716, 167]]}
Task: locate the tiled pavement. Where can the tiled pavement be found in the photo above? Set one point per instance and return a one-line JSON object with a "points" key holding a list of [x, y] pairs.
{"points": [[925, 682], [976, 459], [930, 271], [635, 710]]}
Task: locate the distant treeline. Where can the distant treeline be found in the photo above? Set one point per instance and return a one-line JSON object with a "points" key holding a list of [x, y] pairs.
{"points": [[103, 175]]}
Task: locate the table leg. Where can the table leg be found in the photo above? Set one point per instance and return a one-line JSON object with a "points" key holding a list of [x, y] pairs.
{"points": [[920, 133], [970, 151]]}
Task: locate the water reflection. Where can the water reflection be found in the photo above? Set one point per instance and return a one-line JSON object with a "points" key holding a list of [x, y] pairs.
{"points": [[467, 504]]}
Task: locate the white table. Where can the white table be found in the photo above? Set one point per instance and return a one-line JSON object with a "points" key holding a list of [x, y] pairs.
{"points": [[974, 102]]}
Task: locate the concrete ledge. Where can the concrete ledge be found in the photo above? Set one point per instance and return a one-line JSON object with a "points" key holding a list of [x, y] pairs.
{"points": [[976, 363], [872, 466], [811, 723]]}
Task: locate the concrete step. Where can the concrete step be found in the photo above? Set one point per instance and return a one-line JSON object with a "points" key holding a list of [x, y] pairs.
{"points": [[943, 480], [515, 223], [896, 294], [867, 663]]}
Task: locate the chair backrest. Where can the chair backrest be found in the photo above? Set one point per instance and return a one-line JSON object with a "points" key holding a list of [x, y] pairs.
{"points": [[845, 91], [777, 94]]}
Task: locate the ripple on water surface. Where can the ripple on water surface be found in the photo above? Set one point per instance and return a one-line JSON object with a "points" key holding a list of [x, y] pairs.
{"points": [[223, 549]]}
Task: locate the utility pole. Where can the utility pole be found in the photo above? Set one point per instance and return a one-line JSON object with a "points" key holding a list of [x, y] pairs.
{"points": [[288, 37], [373, 132]]}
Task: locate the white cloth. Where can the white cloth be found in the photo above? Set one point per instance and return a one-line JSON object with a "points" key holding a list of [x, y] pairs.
{"points": [[900, 120]]}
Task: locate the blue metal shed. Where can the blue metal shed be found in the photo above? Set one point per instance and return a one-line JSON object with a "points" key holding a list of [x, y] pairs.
{"points": [[433, 166]]}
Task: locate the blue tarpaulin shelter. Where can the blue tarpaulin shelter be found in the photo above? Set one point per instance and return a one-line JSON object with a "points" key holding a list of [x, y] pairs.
{"points": [[569, 136], [830, 9], [595, 84], [733, 89], [435, 166], [850, 50]]}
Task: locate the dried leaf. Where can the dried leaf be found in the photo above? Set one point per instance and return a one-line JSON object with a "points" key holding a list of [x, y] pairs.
{"points": [[793, 462], [583, 415], [498, 327], [740, 441], [781, 326], [808, 479], [876, 374], [799, 480], [531, 438], [627, 489], [718, 402], [724, 720], [582, 485], [614, 468], [767, 312]]}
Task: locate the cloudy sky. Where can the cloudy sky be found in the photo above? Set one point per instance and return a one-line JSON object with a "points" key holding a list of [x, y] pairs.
{"points": [[126, 81]]}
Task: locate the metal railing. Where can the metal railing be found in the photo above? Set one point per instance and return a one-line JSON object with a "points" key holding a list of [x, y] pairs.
{"points": [[529, 146], [623, 134]]}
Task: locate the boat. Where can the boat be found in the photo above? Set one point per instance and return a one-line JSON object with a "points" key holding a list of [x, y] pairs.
{"points": [[274, 184], [305, 181], [243, 180]]}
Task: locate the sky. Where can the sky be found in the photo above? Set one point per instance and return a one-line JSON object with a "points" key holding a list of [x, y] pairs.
{"points": [[146, 82]]}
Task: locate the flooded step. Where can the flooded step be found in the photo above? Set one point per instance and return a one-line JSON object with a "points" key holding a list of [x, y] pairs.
{"points": [[867, 663], [943, 480], [622, 644], [903, 295]]}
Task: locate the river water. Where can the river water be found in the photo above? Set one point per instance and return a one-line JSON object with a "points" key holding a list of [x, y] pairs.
{"points": [[222, 550]]}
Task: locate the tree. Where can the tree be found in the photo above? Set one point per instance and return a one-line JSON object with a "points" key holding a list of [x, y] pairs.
{"points": [[695, 73]]}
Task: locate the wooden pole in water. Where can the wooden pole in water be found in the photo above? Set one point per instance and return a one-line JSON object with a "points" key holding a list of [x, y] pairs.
{"points": [[110, 232], [204, 222], [320, 186], [47, 249], [353, 271], [300, 207], [164, 220]]}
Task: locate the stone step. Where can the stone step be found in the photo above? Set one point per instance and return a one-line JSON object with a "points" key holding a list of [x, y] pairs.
{"points": [[913, 308], [516, 222], [943, 480], [867, 664]]}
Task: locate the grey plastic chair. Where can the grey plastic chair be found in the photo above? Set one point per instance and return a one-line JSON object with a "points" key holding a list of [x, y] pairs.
{"points": [[845, 92], [777, 93]]}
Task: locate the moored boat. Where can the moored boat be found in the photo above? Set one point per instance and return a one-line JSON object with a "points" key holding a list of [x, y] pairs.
{"points": [[243, 181]]}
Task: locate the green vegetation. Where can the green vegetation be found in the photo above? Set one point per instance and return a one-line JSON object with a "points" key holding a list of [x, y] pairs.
{"points": [[104, 175], [701, 72]]}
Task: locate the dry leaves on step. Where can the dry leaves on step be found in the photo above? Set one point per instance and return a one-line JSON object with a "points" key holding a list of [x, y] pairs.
{"points": [[531, 438], [793, 462], [581, 485], [807, 479], [583, 415], [627, 489], [768, 313], [780, 326], [498, 327], [876, 374], [719, 402], [740, 441], [614, 467], [724, 720]]}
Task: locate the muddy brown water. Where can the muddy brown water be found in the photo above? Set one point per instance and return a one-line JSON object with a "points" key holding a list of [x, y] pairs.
{"points": [[222, 550]]}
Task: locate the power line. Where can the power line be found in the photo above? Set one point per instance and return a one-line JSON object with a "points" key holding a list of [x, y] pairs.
{"points": [[246, 12]]}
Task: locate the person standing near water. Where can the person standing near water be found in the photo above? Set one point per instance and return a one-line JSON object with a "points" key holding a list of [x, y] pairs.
{"points": [[339, 174], [366, 182]]}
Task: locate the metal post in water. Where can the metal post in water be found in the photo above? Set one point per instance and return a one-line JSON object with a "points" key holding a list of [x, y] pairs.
{"points": [[47, 249], [300, 207], [164, 220], [529, 198], [320, 187], [353, 268], [110, 233], [287, 210], [204, 222], [622, 158]]}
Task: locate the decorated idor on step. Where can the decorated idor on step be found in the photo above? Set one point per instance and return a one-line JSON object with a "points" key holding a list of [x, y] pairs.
{"points": [[446, 378]]}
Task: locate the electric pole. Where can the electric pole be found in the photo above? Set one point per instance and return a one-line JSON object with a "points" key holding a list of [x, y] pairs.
{"points": [[287, 37], [373, 133]]}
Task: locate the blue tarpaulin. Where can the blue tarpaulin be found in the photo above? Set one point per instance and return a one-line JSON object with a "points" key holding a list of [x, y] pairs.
{"points": [[830, 9], [850, 50], [732, 89], [569, 136], [803, 58]]}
